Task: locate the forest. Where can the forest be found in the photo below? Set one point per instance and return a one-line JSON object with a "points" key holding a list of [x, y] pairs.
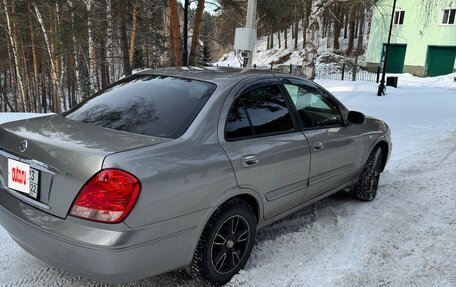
{"points": [[56, 53]]}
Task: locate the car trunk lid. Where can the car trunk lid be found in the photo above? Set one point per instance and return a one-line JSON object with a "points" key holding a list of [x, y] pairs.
{"points": [[66, 153]]}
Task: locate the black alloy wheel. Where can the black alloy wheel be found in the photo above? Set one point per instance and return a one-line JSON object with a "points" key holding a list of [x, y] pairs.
{"points": [[230, 244], [225, 244]]}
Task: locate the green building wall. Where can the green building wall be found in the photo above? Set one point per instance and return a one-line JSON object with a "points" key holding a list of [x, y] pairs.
{"points": [[421, 28]]}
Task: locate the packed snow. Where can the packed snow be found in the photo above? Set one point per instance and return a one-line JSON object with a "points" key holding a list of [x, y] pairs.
{"points": [[405, 237]]}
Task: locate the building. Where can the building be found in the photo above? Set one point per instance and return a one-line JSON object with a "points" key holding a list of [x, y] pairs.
{"points": [[423, 38]]}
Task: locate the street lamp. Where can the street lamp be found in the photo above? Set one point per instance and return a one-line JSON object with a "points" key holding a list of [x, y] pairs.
{"points": [[185, 50], [381, 87]]}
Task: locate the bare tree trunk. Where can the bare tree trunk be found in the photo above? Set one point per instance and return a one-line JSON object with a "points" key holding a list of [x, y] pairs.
{"points": [[109, 42], [70, 79], [92, 69], [293, 29], [305, 24], [71, 76], [35, 62], [196, 32], [272, 38], [278, 38], [337, 26], [27, 107], [171, 49], [133, 33], [7, 104], [43, 85], [78, 89], [15, 55], [53, 72], [357, 23], [296, 29], [351, 37], [346, 20], [324, 26], [103, 65], [310, 51], [20, 55], [123, 39], [176, 34], [12, 80], [360, 47], [61, 98], [285, 37]]}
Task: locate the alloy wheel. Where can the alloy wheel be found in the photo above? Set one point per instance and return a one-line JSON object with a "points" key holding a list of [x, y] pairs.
{"points": [[230, 244]]}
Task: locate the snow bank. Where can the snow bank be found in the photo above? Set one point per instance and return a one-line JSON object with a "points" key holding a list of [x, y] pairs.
{"points": [[408, 80], [229, 60]]}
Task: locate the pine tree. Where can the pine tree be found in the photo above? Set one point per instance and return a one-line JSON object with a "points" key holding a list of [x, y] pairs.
{"points": [[205, 57], [138, 59]]}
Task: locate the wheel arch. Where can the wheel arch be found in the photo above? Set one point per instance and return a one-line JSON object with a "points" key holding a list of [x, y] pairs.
{"points": [[383, 145], [250, 196], [198, 266], [251, 201]]}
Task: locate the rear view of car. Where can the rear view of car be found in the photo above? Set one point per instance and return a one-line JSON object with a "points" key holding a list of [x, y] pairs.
{"points": [[61, 202]]}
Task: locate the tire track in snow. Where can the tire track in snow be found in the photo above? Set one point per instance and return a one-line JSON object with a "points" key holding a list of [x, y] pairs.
{"points": [[416, 248]]}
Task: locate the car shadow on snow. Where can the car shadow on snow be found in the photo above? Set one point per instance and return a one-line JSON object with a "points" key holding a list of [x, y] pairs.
{"points": [[335, 203]]}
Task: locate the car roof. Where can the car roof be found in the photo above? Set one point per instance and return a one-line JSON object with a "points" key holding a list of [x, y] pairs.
{"points": [[217, 75]]}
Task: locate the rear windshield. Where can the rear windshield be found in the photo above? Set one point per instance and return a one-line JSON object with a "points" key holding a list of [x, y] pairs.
{"points": [[150, 105]]}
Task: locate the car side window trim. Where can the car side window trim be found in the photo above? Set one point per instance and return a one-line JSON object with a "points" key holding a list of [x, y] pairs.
{"points": [[296, 82], [250, 87]]}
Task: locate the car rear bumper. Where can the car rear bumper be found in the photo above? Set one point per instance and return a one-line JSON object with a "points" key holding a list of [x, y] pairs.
{"points": [[116, 255]]}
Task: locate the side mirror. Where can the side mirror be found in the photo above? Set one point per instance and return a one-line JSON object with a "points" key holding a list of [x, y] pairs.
{"points": [[356, 118]]}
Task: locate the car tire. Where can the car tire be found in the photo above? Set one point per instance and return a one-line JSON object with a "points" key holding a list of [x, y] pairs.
{"points": [[225, 244], [366, 188]]}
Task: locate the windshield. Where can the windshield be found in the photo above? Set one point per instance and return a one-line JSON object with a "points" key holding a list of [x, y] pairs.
{"points": [[151, 105]]}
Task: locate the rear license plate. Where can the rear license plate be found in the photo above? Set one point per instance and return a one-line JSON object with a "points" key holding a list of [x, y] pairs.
{"points": [[23, 178]]}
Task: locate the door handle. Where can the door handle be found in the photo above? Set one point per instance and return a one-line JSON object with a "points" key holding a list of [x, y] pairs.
{"points": [[318, 146], [249, 160]]}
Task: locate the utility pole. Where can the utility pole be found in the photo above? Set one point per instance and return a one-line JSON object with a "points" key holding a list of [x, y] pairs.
{"points": [[381, 87], [185, 50], [251, 24]]}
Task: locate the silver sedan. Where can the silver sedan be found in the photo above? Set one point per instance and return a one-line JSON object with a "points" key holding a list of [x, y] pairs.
{"points": [[171, 169]]}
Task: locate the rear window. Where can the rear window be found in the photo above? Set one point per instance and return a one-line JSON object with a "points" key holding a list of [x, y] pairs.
{"points": [[150, 105]]}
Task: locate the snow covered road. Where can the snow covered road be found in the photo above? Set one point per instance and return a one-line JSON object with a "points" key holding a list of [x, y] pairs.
{"points": [[406, 237]]}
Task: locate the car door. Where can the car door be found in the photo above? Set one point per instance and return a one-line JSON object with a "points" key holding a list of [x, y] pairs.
{"points": [[336, 147], [262, 139]]}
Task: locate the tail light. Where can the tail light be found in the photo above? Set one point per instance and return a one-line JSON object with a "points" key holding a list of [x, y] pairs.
{"points": [[108, 196]]}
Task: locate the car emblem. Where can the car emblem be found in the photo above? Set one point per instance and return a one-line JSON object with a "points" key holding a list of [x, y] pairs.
{"points": [[23, 146]]}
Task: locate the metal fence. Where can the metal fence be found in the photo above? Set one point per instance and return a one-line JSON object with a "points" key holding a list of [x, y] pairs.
{"points": [[347, 73], [331, 72]]}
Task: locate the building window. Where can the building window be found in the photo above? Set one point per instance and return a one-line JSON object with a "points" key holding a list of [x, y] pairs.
{"points": [[399, 17], [448, 17]]}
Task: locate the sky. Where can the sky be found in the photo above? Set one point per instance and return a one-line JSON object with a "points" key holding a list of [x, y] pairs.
{"points": [[209, 6]]}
